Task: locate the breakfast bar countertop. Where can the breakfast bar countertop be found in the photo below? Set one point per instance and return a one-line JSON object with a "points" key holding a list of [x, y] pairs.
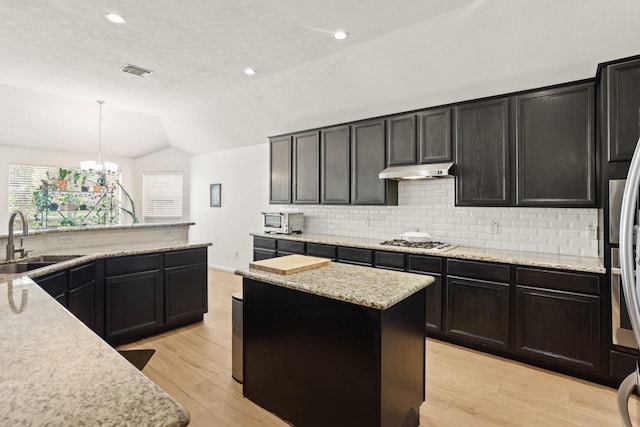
{"points": [[55, 371]]}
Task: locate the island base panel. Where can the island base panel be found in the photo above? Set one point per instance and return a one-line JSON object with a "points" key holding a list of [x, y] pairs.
{"points": [[315, 361]]}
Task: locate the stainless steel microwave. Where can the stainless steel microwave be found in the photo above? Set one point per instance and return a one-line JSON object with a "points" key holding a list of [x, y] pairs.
{"points": [[283, 222]]}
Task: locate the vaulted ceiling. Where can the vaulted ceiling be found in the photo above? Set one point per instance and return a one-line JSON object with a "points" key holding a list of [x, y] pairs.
{"points": [[59, 57]]}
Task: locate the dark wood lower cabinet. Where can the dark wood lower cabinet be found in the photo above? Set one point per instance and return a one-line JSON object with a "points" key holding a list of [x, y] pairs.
{"points": [[478, 311], [140, 295], [185, 297], [550, 318], [79, 290], [86, 296], [318, 362], [559, 327], [134, 305]]}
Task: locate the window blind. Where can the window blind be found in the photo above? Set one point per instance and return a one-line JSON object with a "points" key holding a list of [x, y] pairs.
{"points": [[162, 196]]}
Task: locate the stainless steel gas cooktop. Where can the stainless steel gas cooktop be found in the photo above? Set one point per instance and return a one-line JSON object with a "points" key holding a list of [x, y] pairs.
{"points": [[434, 246]]}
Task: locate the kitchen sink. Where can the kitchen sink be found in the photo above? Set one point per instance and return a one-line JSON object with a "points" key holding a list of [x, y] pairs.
{"points": [[23, 265]]}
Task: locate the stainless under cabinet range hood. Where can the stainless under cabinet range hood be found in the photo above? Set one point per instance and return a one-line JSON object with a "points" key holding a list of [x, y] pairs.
{"points": [[437, 170]]}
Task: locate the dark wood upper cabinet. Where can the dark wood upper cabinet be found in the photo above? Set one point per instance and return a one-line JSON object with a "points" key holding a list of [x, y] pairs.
{"points": [[483, 154], [401, 140], [335, 166], [280, 170], [368, 159], [623, 109], [434, 136], [556, 147], [306, 167]]}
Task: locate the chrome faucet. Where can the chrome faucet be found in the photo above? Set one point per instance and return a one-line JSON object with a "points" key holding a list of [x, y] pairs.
{"points": [[11, 250]]}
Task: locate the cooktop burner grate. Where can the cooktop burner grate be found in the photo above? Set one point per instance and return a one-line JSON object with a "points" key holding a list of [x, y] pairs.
{"points": [[436, 246]]}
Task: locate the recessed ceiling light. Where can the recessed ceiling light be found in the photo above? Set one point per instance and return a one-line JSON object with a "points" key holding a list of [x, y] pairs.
{"points": [[250, 71], [115, 18], [340, 35]]}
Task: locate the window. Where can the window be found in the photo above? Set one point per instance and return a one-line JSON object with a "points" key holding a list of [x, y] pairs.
{"points": [[52, 208], [162, 200]]}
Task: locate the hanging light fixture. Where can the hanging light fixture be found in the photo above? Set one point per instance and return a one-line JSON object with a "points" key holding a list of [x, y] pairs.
{"points": [[92, 165]]}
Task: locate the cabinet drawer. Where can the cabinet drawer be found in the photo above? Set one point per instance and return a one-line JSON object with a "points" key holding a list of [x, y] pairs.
{"points": [[562, 281], [55, 285], [132, 264], [392, 260], [264, 243], [478, 270], [355, 256], [425, 264], [185, 257], [79, 276], [320, 250], [260, 254], [291, 246]]}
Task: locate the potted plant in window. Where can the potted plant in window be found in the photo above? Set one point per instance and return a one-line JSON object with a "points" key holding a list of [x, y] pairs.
{"points": [[61, 181], [100, 182], [83, 183]]}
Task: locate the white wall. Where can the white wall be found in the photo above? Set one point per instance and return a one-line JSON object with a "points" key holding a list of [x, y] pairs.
{"points": [[14, 155], [244, 175], [167, 160]]}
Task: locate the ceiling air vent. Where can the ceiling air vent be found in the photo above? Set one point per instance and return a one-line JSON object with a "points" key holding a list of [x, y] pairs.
{"points": [[135, 70]]}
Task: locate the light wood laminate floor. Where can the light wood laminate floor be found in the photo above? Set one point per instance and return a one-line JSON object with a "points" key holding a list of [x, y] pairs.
{"points": [[464, 387]]}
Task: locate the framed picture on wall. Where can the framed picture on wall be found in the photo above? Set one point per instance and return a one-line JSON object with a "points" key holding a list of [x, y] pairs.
{"points": [[215, 193]]}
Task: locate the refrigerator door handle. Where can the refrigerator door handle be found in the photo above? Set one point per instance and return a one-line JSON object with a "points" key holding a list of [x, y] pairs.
{"points": [[628, 262]]}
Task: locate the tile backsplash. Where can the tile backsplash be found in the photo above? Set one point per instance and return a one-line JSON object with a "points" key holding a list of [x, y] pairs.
{"points": [[429, 206]]}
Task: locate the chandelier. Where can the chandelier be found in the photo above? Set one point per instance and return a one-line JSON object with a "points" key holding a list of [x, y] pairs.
{"points": [[92, 165]]}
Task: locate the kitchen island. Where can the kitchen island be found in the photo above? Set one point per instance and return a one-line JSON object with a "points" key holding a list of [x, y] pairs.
{"points": [[339, 345]]}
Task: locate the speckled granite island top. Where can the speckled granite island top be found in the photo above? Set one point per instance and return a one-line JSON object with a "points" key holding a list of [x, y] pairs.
{"points": [[374, 288], [56, 372], [533, 259]]}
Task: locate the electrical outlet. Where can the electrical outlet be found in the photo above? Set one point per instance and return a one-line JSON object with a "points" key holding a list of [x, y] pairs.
{"points": [[592, 231], [367, 222], [236, 253], [65, 239], [494, 228]]}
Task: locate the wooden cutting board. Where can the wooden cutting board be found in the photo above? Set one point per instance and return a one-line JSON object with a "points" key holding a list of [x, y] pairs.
{"points": [[289, 264]]}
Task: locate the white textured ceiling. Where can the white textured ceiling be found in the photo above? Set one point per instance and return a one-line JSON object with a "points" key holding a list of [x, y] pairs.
{"points": [[59, 57]]}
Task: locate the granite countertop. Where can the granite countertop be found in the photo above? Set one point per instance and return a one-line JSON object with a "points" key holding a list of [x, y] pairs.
{"points": [[374, 288], [56, 372], [18, 229], [91, 253], [533, 259]]}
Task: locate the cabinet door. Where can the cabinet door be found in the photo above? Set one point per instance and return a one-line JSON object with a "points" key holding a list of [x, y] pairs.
{"points": [[434, 136], [306, 168], [185, 292], [280, 170], [367, 161], [86, 296], [56, 285], [433, 295], [560, 327], [623, 109], [335, 166], [478, 311], [483, 154], [133, 305], [82, 302], [556, 147], [401, 140]]}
